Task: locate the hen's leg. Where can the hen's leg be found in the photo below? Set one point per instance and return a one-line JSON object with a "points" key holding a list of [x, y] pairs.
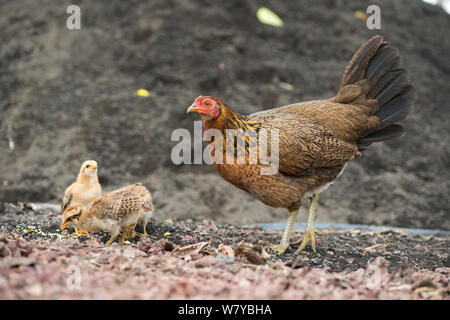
{"points": [[284, 244], [310, 230]]}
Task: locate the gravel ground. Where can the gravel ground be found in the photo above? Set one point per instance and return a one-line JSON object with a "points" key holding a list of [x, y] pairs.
{"points": [[201, 260]]}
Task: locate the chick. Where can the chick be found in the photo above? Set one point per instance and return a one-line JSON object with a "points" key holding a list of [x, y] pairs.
{"points": [[145, 194], [83, 190], [112, 212]]}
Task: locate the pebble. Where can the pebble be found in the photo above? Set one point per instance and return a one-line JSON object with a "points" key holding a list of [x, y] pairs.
{"points": [[327, 263]]}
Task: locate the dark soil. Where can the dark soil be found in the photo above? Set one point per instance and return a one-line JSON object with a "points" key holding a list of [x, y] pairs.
{"points": [[341, 251], [69, 95]]}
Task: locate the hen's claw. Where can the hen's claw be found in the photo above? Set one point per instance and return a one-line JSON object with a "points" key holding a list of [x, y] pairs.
{"points": [[309, 236], [278, 248]]}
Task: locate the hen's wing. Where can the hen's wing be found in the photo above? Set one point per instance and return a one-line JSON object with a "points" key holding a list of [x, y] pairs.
{"points": [[67, 199], [304, 142]]}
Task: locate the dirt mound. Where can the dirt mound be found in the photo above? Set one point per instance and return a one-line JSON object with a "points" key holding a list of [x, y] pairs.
{"points": [[69, 95]]}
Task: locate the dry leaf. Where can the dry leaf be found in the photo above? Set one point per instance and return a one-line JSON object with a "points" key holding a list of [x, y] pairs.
{"points": [[187, 251], [250, 253]]}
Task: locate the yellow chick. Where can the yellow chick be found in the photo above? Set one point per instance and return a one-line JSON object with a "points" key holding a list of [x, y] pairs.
{"points": [[83, 190]]}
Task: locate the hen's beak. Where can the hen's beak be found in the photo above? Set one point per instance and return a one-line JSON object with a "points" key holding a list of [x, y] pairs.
{"points": [[192, 108]]}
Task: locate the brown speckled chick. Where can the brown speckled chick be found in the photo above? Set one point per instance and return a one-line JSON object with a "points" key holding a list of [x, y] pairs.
{"points": [[113, 212], [145, 194]]}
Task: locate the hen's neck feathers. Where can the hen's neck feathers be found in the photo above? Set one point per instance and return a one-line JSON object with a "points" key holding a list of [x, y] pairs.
{"points": [[229, 119]]}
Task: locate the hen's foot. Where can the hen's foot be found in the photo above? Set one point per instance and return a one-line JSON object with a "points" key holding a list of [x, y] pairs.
{"points": [[284, 244], [309, 236], [279, 248]]}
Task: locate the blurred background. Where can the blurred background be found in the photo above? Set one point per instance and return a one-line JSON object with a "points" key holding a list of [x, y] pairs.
{"points": [[71, 95]]}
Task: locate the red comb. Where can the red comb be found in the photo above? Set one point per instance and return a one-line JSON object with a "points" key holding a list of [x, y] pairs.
{"points": [[199, 98]]}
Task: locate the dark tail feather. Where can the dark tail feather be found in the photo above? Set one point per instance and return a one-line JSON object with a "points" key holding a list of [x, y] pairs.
{"points": [[356, 69], [390, 132], [378, 70], [397, 108]]}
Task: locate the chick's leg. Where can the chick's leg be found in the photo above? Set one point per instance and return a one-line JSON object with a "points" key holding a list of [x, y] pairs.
{"points": [[131, 232], [80, 232], [284, 244], [144, 221], [114, 235], [310, 230], [125, 235]]}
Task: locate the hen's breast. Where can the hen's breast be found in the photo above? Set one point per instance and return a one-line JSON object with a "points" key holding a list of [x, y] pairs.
{"points": [[274, 190]]}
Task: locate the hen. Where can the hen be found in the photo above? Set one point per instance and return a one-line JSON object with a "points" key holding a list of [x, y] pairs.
{"points": [[316, 139]]}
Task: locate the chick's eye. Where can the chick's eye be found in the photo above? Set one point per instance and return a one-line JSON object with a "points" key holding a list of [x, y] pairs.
{"points": [[88, 166]]}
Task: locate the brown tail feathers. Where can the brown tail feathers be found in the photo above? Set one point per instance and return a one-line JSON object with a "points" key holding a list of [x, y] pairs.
{"points": [[377, 69]]}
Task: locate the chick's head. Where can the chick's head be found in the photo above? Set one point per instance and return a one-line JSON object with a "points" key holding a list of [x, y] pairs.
{"points": [[71, 217], [89, 168]]}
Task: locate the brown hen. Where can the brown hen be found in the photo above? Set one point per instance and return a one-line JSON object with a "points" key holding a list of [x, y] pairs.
{"points": [[316, 139]]}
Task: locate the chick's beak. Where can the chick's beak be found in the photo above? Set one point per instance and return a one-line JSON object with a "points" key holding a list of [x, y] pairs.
{"points": [[192, 108], [63, 226], [94, 168]]}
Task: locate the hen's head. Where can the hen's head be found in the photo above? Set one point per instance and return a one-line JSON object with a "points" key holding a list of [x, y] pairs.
{"points": [[207, 106]]}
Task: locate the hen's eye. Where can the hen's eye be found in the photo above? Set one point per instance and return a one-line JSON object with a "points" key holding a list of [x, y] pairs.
{"points": [[208, 103]]}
